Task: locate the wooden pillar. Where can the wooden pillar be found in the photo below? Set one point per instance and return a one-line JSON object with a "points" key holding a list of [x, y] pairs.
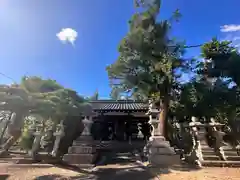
{"points": [[116, 125], [101, 131]]}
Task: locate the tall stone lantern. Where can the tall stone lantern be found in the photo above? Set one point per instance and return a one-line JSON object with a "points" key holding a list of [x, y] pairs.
{"points": [[160, 152], [83, 151]]}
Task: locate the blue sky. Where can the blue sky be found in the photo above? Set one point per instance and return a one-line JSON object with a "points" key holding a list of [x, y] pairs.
{"points": [[29, 46]]}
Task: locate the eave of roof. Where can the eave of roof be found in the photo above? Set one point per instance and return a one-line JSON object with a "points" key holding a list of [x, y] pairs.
{"points": [[119, 105]]}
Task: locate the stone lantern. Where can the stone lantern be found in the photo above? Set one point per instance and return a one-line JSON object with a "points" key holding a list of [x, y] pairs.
{"points": [[83, 151], [160, 152], [87, 122]]}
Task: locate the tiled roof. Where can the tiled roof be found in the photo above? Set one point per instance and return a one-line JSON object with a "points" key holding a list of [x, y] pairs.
{"points": [[120, 105]]}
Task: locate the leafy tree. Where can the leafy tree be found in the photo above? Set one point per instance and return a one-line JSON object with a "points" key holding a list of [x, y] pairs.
{"points": [[221, 63], [41, 97], [210, 93], [221, 60], [66, 101], [149, 58], [35, 84], [115, 93], [95, 96], [16, 100], [205, 101]]}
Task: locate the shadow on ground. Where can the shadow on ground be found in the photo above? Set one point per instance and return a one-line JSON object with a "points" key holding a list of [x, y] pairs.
{"points": [[138, 172], [108, 174], [4, 176], [71, 167], [130, 173], [133, 173]]}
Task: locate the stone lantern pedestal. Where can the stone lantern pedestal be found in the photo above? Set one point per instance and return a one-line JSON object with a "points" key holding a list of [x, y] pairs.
{"points": [[160, 153], [83, 151]]}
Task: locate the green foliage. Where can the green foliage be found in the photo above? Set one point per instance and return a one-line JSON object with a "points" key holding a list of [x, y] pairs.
{"points": [[150, 64], [47, 141], [36, 84], [44, 97], [26, 140], [222, 60], [115, 93], [40, 101], [202, 100], [95, 96], [210, 93], [148, 56]]}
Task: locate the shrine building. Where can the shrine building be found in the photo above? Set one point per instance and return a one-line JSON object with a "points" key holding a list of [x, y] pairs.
{"points": [[119, 119]]}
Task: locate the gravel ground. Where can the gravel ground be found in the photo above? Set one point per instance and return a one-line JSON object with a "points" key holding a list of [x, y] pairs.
{"points": [[203, 174], [41, 173], [115, 173]]}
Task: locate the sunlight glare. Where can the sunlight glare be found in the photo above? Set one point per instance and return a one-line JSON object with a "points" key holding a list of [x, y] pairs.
{"points": [[3, 3]]}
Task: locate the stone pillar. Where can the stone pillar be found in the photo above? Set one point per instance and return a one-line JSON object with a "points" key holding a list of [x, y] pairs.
{"points": [[31, 131], [196, 156], [218, 134], [58, 134], [201, 129], [37, 140], [83, 151], [160, 151]]}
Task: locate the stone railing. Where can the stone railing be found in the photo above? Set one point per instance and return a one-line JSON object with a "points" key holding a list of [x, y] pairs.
{"points": [[194, 135], [232, 135], [39, 132]]}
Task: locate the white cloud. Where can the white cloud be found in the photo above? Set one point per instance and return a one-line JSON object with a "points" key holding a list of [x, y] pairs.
{"points": [[67, 35], [231, 33], [230, 28], [236, 38]]}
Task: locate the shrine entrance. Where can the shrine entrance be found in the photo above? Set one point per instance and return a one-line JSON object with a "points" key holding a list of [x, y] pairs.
{"points": [[122, 129]]}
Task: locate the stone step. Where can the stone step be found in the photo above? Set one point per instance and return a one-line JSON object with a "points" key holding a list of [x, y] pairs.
{"points": [[124, 154], [209, 163], [227, 153], [8, 160], [79, 158], [225, 148], [81, 150], [17, 160], [36, 165], [216, 158]]}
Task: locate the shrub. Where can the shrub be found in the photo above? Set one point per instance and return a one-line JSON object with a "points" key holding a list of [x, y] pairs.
{"points": [[26, 140]]}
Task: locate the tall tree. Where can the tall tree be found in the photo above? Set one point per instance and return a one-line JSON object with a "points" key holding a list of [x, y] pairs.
{"points": [[205, 101], [149, 58], [222, 60], [115, 93], [95, 96]]}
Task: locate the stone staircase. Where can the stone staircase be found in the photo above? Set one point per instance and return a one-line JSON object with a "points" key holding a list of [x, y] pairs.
{"points": [[16, 158], [211, 159]]}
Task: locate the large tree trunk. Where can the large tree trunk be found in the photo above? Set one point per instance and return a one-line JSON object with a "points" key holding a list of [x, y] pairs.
{"points": [[164, 107], [163, 116]]}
